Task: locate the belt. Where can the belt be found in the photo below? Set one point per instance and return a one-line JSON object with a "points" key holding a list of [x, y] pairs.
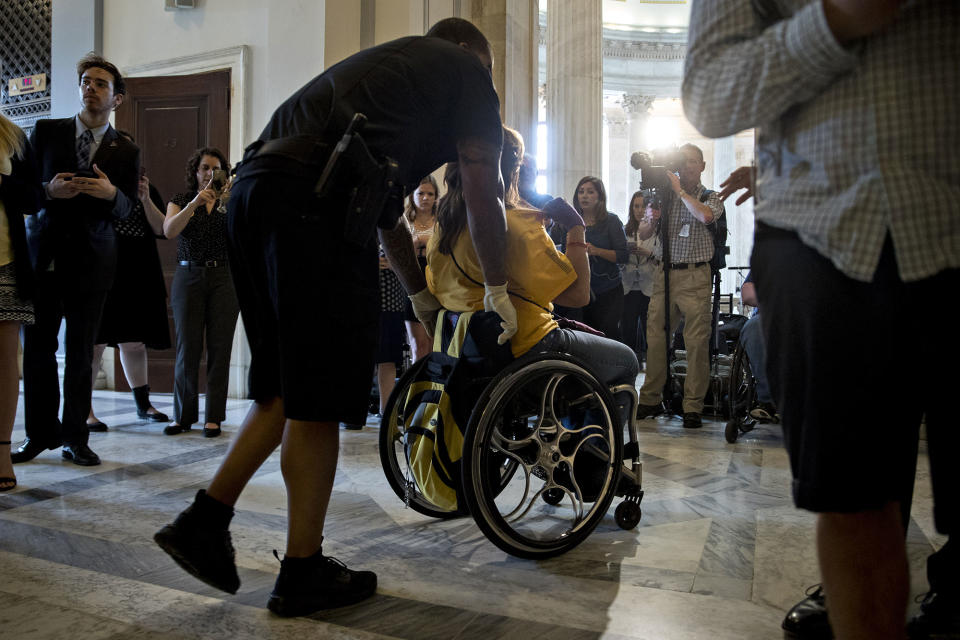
{"points": [[202, 263], [684, 265]]}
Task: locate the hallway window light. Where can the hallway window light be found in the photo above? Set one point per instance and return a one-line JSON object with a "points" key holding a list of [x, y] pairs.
{"points": [[661, 132], [541, 157]]}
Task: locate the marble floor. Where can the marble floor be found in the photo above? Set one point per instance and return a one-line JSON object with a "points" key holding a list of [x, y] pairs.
{"points": [[720, 551]]}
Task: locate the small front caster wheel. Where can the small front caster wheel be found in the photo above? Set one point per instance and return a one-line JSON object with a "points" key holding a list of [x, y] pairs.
{"points": [[627, 514]]}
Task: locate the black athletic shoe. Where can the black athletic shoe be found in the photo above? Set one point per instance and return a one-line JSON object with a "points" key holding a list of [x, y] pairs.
{"points": [[807, 620], [201, 548], [306, 585]]}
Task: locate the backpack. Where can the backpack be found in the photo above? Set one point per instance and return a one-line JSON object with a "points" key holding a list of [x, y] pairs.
{"points": [[718, 229], [441, 397]]}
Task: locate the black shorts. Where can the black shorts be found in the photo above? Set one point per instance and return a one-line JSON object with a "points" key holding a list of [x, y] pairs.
{"points": [[853, 367], [310, 301]]}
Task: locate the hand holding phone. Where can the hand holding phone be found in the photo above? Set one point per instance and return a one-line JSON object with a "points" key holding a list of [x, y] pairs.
{"points": [[219, 180]]}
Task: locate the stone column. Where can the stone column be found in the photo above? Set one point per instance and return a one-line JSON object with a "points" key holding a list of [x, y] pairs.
{"points": [[637, 108], [619, 188], [574, 93], [512, 28]]}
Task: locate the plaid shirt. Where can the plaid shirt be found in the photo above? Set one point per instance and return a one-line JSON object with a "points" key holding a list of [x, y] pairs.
{"points": [[698, 245], [853, 142]]}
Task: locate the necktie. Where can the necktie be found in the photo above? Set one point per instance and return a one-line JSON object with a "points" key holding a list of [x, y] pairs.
{"points": [[84, 142]]}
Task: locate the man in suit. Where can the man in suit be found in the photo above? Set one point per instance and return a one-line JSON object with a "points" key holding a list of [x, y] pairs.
{"points": [[90, 177]]}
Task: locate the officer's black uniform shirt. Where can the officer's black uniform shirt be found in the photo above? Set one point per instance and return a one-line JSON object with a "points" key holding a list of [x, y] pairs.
{"points": [[420, 95]]}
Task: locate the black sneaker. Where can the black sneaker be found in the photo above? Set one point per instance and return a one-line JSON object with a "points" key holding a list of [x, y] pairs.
{"points": [[649, 410], [692, 420], [306, 585], [939, 619], [807, 620], [201, 548]]}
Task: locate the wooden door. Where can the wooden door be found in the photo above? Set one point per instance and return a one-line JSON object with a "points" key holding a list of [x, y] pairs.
{"points": [[170, 117]]}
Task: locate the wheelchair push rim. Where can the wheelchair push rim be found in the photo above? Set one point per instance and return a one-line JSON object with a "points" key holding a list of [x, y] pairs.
{"points": [[558, 426]]}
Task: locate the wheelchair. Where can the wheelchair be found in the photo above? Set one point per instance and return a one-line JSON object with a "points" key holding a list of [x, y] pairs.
{"points": [[542, 457], [742, 398]]}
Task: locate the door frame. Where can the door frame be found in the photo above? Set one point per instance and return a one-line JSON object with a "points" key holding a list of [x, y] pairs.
{"points": [[237, 59]]}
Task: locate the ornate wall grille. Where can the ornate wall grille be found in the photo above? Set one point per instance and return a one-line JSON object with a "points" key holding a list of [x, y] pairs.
{"points": [[24, 51]]}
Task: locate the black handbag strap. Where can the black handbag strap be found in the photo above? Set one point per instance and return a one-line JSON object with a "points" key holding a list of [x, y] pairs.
{"points": [[512, 293]]}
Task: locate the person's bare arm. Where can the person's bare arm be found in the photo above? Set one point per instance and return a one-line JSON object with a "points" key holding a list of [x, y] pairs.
{"points": [[578, 293], [398, 247], [155, 217], [480, 174], [697, 209]]}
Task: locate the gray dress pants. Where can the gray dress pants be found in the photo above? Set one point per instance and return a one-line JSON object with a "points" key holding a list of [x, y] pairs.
{"points": [[204, 308]]}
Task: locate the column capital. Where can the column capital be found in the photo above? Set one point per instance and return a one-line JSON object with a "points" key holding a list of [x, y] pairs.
{"points": [[617, 125], [637, 105]]}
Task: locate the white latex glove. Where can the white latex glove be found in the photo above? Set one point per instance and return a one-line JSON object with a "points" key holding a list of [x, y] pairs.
{"points": [[497, 299], [426, 307]]}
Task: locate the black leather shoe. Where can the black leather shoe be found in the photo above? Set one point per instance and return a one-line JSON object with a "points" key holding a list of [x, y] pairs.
{"points": [[691, 420], [97, 426], [28, 450], [80, 454], [173, 429], [807, 620], [155, 417]]}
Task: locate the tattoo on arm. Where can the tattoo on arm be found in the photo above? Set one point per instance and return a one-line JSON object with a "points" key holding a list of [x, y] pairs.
{"points": [[398, 245]]}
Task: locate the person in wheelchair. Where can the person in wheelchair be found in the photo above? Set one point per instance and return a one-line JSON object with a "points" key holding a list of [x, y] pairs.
{"points": [[537, 274], [752, 339]]}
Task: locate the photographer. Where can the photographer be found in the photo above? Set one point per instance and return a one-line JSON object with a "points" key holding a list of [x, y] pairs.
{"points": [[691, 209], [202, 295]]}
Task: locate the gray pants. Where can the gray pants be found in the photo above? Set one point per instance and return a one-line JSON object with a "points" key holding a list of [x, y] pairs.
{"points": [[204, 307]]}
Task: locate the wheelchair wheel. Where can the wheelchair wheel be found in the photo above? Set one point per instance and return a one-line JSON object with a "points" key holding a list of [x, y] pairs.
{"points": [[393, 450], [731, 431], [743, 393], [627, 514], [558, 425]]}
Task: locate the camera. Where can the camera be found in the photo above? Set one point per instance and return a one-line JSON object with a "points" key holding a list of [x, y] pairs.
{"points": [[654, 166], [219, 180]]}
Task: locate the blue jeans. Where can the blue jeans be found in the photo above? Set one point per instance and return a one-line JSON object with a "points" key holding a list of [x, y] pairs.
{"points": [[752, 338], [614, 362]]}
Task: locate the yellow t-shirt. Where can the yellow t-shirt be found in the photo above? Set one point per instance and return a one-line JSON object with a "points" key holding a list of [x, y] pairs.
{"points": [[535, 270]]}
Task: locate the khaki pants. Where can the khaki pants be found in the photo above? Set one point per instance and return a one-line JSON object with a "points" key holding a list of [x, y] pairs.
{"points": [[689, 299]]}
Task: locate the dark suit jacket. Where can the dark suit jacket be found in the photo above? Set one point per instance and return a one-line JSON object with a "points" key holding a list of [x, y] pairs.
{"points": [[77, 233], [22, 195]]}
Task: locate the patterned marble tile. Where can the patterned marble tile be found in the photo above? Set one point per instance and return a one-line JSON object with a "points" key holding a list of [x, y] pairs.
{"points": [[720, 551]]}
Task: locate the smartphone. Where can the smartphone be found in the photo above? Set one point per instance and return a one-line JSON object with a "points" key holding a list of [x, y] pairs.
{"points": [[219, 179], [86, 173]]}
